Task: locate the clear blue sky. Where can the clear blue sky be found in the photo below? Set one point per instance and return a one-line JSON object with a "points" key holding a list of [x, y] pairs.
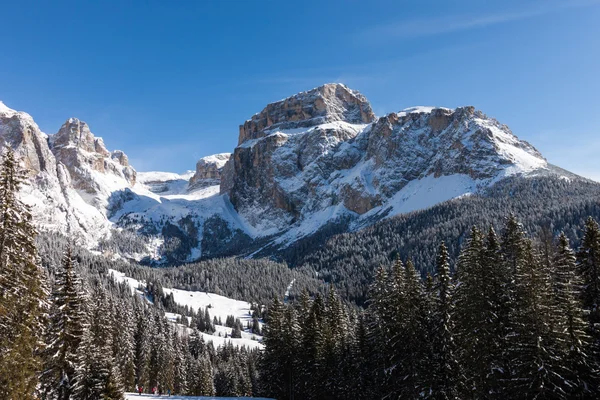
{"points": [[170, 81]]}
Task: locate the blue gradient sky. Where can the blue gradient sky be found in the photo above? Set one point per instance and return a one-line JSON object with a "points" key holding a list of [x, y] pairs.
{"points": [[170, 81]]}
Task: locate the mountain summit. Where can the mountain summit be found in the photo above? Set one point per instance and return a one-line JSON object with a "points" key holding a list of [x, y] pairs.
{"points": [[328, 103], [318, 161]]}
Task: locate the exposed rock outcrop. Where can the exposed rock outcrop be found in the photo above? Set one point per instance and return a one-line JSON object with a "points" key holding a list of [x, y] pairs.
{"points": [[81, 152], [328, 103], [208, 171], [49, 192], [19, 132]]}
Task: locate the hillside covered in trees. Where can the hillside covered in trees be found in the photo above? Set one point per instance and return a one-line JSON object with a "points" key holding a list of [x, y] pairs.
{"points": [[512, 315]]}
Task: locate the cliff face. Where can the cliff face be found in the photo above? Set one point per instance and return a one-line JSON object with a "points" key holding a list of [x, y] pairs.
{"points": [[72, 175], [82, 154], [208, 171], [327, 103], [21, 133], [292, 164]]}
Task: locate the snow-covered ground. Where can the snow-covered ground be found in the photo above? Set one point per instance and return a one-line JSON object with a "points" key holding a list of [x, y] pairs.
{"points": [[218, 306], [133, 396]]}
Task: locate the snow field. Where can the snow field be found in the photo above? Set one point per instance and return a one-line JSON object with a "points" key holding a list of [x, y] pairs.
{"points": [[218, 306]]}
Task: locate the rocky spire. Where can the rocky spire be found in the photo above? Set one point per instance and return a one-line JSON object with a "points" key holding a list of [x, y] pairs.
{"points": [[78, 149]]}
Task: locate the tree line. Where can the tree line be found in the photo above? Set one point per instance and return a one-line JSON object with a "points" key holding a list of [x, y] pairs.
{"points": [[540, 203], [516, 318]]}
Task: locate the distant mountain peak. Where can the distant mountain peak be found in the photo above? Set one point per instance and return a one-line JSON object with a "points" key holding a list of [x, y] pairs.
{"points": [[327, 103]]}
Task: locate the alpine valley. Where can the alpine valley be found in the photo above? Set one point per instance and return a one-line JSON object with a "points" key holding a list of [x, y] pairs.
{"points": [[293, 267]]}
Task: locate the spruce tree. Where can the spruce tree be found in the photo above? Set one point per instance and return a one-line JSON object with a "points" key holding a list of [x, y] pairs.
{"points": [[469, 306], [95, 375], [530, 351], [67, 324], [588, 258], [573, 340], [22, 292], [274, 359], [407, 344], [444, 366]]}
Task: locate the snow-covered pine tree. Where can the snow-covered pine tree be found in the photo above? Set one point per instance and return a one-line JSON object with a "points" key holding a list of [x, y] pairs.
{"points": [[167, 372], [576, 367], [142, 348], [469, 315], [180, 384], [588, 258], [311, 345], [444, 367], [378, 331], [407, 344], [95, 375], [204, 375], [530, 349], [124, 343], [496, 279], [275, 360], [67, 324], [22, 291]]}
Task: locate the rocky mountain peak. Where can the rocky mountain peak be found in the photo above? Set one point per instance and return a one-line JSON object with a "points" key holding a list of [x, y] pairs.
{"points": [[328, 103], [21, 133], [77, 133], [75, 146]]}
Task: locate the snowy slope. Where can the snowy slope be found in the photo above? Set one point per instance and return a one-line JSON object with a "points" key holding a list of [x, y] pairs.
{"points": [[218, 306]]}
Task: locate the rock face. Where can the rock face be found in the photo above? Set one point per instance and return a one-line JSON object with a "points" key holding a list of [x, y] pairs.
{"points": [[50, 191], [81, 152], [327, 103], [21, 133], [323, 152], [208, 171]]}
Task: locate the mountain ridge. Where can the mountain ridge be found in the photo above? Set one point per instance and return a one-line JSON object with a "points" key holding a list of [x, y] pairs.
{"points": [[316, 158]]}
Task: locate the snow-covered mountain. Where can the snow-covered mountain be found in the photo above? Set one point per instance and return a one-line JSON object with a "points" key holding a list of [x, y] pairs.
{"points": [[317, 158]]}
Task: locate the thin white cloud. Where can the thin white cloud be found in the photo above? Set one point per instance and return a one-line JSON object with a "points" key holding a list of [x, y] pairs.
{"points": [[437, 26]]}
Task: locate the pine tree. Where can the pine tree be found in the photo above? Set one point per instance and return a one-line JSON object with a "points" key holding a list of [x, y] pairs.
{"points": [[530, 348], [469, 306], [274, 358], [142, 349], [445, 368], [574, 342], [124, 344], [180, 383], [95, 374], [378, 326], [588, 259], [22, 292], [204, 377], [407, 346], [311, 343], [67, 324]]}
